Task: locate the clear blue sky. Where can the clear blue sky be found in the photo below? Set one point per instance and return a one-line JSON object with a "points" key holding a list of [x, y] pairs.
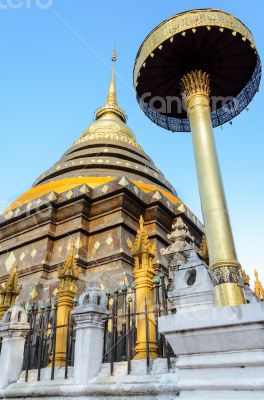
{"points": [[54, 73]]}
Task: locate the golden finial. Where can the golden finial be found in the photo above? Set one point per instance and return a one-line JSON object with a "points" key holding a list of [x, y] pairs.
{"points": [[141, 223], [142, 243], [114, 58], [69, 272], [258, 289], [111, 104], [111, 100]]}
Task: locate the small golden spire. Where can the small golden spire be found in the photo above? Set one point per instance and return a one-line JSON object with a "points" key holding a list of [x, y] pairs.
{"points": [[111, 104], [11, 284], [143, 252], [142, 243], [69, 272], [9, 292], [258, 289], [111, 100]]}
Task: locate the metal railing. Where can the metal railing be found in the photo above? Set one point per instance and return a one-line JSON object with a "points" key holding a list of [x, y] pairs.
{"points": [[120, 331], [120, 327], [41, 340]]}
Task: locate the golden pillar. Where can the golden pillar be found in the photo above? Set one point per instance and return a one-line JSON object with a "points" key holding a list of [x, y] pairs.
{"points": [[143, 253], [68, 275], [9, 292], [223, 260]]}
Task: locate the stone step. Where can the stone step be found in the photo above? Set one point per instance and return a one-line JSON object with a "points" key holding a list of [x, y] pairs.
{"points": [[138, 367]]}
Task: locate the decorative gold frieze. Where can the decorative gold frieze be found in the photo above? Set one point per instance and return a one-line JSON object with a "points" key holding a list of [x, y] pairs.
{"points": [[227, 274], [183, 22], [109, 136], [228, 284]]}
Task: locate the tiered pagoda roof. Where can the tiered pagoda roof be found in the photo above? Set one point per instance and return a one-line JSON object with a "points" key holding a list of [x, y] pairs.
{"points": [[106, 150]]}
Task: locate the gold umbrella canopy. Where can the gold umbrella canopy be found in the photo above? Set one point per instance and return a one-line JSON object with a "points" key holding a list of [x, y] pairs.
{"points": [[209, 40]]}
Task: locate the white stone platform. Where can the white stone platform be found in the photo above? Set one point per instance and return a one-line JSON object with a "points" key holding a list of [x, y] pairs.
{"points": [[220, 352], [220, 356], [157, 384]]}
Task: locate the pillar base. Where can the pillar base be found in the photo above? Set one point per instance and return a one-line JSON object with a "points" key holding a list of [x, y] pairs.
{"points": [[59, 361], [229, 284], [141, 351]]}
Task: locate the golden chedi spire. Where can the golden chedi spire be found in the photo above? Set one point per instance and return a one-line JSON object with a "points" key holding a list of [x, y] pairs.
{"points": [[111, 100], [111, 105], [258, 288], [9, 292], [142, 243]]}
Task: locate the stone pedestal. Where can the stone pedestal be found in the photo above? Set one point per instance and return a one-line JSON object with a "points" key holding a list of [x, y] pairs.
{"points": [[13, 330], [220, 351], [89, 333], [192, 285]]}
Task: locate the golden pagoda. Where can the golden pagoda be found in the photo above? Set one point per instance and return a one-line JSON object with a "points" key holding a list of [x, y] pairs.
{"points": [[94, 196]]}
